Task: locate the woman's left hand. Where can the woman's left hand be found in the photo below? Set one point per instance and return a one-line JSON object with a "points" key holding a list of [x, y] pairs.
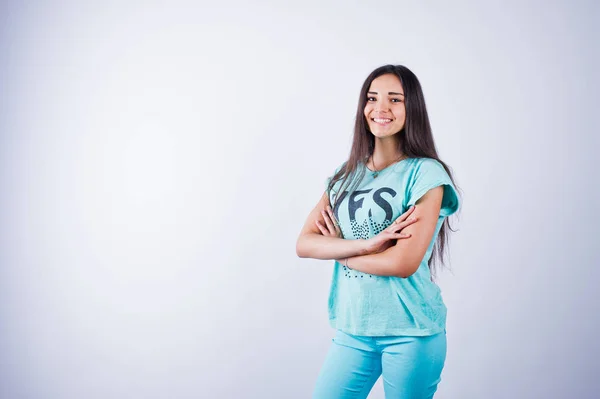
{"points": [[329, 227]]}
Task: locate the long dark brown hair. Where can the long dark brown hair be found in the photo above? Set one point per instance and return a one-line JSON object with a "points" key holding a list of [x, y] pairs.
{"points": [[416, 141]]}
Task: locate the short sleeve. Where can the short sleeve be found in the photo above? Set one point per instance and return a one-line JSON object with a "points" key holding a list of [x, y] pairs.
{"points": [[429, 174], [327, 182], [331, 177]]}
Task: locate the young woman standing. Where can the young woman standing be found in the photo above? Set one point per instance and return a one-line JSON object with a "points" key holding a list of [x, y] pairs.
{"points": [[382, 217]]}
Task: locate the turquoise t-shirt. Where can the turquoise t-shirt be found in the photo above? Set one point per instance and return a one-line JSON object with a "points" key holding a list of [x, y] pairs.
{"points": [[370, 305]]}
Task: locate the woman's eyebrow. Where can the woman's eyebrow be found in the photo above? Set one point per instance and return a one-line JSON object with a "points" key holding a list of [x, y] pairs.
{"points": [[391, 92]]}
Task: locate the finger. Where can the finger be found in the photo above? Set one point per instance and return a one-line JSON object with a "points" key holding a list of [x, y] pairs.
{"points": [[328, 222], [406, 223], [323, 230], [399, 236], [338, 231], [395, 227], [405, 215], [331, 215], [334, 219]]}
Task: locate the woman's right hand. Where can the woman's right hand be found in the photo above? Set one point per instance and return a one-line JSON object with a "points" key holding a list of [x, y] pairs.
{"points": [[386, 238]]}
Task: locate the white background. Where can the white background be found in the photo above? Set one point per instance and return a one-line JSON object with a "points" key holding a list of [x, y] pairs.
{"points": [[157, 162]]}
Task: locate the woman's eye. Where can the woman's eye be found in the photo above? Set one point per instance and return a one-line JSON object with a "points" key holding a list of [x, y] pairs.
{"points": [[370, 98], [396, 100]]}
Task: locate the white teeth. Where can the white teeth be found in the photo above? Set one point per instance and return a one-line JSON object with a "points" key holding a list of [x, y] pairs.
{"points": [[381, 120]]}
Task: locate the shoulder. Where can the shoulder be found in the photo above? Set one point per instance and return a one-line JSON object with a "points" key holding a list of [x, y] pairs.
{"points": [[422, 168], [419, 167], [338, 181], [425, 174], [338, 168], [425, 164]]}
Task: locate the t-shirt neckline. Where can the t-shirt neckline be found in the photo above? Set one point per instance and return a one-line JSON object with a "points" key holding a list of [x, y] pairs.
{"points": [[386, 168]]}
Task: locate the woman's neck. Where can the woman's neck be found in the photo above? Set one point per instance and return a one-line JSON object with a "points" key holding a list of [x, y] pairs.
{"points": [[385, 154]]}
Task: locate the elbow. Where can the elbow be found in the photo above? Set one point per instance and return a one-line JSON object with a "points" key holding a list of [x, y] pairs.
{"points": [[405, 270], [300, 250]]}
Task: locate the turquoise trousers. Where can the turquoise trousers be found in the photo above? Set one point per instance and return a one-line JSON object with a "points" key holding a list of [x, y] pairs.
{"points": [[410, 366]]}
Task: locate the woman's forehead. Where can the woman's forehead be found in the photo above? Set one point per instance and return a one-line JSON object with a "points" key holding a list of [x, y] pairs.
{"points": [[387, 82]]}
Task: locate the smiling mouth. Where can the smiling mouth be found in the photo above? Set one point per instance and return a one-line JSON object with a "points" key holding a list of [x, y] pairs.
{"points": [[381, 121]]}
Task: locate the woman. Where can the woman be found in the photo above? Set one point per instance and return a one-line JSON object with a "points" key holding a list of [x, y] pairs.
{"points": [[383, 214]]}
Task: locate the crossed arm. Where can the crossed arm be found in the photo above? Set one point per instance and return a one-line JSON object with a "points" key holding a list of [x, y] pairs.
{"points": [[399, 260]]}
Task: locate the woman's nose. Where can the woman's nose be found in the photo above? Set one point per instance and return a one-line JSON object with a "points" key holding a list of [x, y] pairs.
{"points": [[382, 106]]}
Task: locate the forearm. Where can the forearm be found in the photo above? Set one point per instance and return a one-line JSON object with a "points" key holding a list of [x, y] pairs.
{"points": [[318, 246], [379, 264]]}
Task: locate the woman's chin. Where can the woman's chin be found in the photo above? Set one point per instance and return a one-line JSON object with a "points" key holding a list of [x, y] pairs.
{"points": [[381, 134]]}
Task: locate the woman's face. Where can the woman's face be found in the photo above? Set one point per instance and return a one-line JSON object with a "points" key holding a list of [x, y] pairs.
{"points": [[385, 112]]}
